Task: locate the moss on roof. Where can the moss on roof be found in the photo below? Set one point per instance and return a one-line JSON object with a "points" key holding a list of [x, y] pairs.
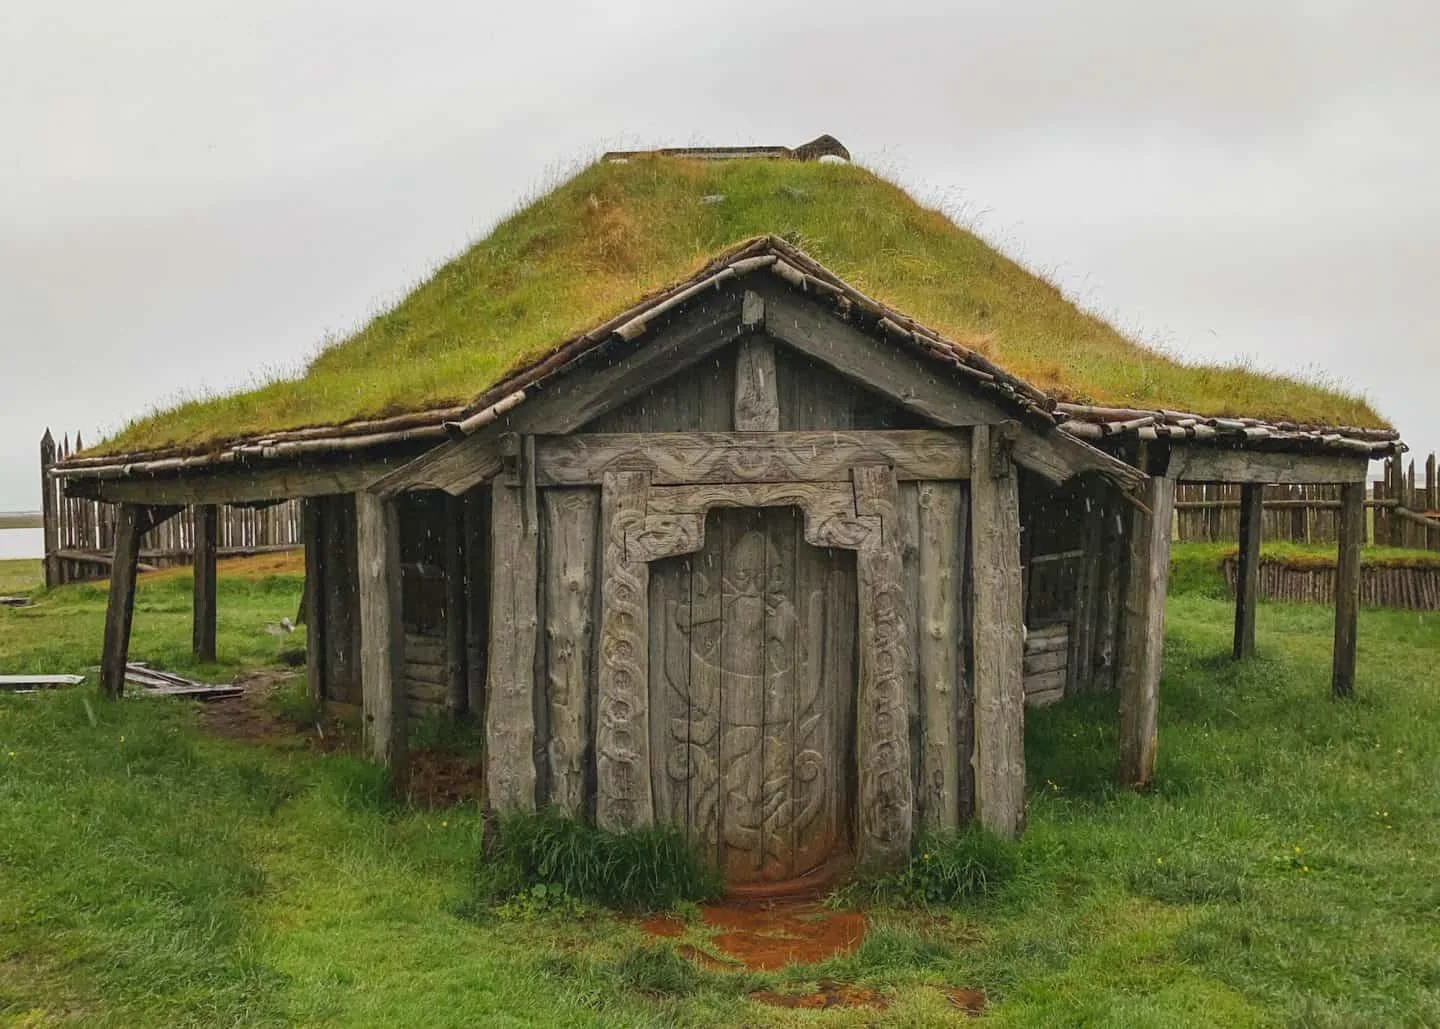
{"points": [[593, 246]]}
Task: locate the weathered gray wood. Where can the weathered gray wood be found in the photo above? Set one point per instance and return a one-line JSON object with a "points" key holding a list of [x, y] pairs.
{"points": [[1192, 463], [570, 526], [907, 521], [377, 538], [997, 613], [317, 614], [1142, 631], [1046, 661], [885, 368], [942, 679], [742, 695], [670, 630], [245, 485], [202, 635], [120, 611], [778, 685], [722, 457], [624, 796], [342, 598], [1347, 588], [1110, 598], [510, 713], [757, 405], [703, 797], [882, 741], [578, 395], [478, 575], [1247, 587], [457, 691]]}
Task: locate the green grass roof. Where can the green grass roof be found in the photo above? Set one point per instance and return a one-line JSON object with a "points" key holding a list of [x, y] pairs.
{"points": [[594, 245]]}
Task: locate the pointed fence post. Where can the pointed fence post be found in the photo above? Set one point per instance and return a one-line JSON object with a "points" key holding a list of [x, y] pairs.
{"points": [[48, 510]]}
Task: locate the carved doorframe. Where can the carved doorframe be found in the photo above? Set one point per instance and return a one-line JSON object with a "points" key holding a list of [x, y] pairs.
{"points": [[641, 523]]}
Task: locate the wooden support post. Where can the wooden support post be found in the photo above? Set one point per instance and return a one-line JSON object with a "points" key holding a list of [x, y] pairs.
{"points": [[510, 773], [202, 635], [1247, 573], [757, 408], [1142, 633], [317, 613], [120, 612], [50, 513], [377, 531], [997, 614], [944, 697], [1347, 587]]}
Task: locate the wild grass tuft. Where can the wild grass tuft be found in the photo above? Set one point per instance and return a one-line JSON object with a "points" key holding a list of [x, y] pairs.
{"points": [[947, 868], [652, 868]]}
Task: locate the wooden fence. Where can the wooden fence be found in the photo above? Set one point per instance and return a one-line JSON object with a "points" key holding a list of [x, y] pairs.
{"points": [[80, 534], [1408, 587], [1210, 513]]}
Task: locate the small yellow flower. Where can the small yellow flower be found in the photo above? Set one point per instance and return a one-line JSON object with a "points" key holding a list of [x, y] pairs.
{"points": [[1297, 850], [444, 824], [1159, 861], [1304, 868], [122, 739], [926, 857], [12, 753]]}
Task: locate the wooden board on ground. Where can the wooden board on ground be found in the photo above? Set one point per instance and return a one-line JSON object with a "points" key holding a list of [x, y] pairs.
{"points": [[31, 683], [155, 683]]}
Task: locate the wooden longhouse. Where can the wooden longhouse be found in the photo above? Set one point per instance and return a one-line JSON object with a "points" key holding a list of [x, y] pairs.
{"points": [[758, 556]]}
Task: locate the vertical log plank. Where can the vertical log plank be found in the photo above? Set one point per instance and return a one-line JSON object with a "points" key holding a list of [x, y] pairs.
{"points": [[1247, 572], [120, 611], [382, 688], [998, 648], [742, 697], [624, 799], [317, 614], [882, 723], [510, 712], [757, 407], [942, 678], [1347, 588], [570, 517], [202, 636], [1142, 634]]}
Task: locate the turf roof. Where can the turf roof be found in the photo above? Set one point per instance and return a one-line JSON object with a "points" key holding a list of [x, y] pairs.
{"points": [[594, 245]]}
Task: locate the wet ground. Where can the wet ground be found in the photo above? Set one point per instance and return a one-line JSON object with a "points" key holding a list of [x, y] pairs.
{"points": [[764, 937]]}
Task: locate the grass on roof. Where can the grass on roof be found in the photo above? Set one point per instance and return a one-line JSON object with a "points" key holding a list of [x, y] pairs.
{"points": [[591, 247]]}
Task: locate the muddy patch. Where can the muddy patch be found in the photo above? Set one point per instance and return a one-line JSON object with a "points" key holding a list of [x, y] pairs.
{"points": [[765, 937], [828, 994]]}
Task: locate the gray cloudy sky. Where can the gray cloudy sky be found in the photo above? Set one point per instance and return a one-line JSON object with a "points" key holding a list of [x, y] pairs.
{"points": [[194, 193]]}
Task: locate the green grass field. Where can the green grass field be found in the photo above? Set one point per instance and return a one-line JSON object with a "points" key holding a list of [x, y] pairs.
{"points": [[1284, 872]]}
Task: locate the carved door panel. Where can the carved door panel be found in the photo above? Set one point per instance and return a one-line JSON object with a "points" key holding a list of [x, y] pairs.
{"points": [[752, 693]]}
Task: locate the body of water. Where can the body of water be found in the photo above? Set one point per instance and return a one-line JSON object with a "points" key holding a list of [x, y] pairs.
{"points": [[21, 543]]}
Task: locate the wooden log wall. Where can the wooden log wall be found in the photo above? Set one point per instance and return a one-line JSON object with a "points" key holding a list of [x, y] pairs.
{"points": [[1408, 588]]}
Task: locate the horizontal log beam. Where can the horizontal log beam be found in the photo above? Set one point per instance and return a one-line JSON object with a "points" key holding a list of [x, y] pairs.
{"points": [[1211, 464], [240, 485], [718, 457]]}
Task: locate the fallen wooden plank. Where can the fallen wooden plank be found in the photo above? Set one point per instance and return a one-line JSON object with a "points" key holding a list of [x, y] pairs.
{"points": [[27, 683], [14, 601], [155, 683]]}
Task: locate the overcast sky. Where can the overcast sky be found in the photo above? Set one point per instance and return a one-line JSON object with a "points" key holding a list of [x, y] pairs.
{"points": [[193, 194]]}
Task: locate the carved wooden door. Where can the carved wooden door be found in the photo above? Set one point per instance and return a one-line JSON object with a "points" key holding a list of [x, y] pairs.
{"points": [[752, 692]]}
